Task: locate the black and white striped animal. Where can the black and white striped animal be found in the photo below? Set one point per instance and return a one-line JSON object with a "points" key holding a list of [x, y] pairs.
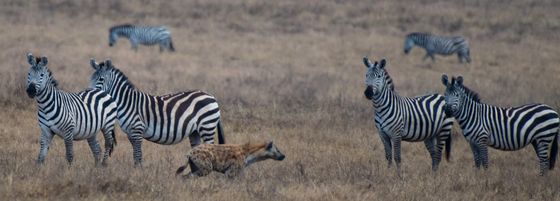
{"points": [[72, 116], [502, 128], [399, 118], [441, 45], [164, 119], [145, 35]]}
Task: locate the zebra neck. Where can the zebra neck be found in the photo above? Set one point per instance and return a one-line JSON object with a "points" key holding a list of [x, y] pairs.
{"points": [[123, 32], [49, 97], [469, 113], [383, 99], [122, 92]]}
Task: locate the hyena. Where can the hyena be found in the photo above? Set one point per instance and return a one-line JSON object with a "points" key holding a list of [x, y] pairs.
{"points": [[228, 159]]}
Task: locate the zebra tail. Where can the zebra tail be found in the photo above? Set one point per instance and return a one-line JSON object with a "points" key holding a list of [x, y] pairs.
{"points": [[221, 138], [553, 153], [171, 45], [448, 148]]}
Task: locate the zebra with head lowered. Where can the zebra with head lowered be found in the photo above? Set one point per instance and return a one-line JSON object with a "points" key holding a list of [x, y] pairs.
{"points": [[145, 35], [400, 118], [506, 129], [72, 116], [441, 45], [164, 119]]}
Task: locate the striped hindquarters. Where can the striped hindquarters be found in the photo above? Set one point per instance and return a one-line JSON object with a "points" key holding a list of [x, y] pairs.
{"points": [[175, 116]]}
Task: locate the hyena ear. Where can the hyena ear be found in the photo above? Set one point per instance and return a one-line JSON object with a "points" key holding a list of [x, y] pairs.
{"points": [[93, 64], [382, 63], [269, 144], [44, 61], [460, 80], [367, 62], [444, 80], [31, 59]]}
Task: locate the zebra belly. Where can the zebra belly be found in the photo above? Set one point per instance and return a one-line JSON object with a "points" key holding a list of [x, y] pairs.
{"points": [[162, 138]]}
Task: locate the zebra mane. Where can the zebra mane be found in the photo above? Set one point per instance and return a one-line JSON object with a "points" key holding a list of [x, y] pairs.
{"points": [[120, 26], [118, 73], [389, 80], [471, 94]]}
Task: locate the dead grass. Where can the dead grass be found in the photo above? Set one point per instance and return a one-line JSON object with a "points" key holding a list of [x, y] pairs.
{"points": [[284, 70]]}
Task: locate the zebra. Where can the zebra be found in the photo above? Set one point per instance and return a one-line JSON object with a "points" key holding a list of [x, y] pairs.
{"points": [[164, 119], [145, 35], [442, 45], [72, 116], [399, 118], [506, 129]]}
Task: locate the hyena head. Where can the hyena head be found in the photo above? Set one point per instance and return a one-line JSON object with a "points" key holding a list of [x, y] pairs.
{"points": [[268, 151]]}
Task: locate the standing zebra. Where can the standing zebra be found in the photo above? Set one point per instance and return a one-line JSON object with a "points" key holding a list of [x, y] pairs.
{"points": [[164, 119], [72, 116], [145, 35], [441, 45], [502, 128], [410, 119]]}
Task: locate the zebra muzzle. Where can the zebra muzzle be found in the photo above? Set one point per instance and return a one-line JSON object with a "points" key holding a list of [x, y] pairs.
{"points": [[31, 91], [369, 92]]}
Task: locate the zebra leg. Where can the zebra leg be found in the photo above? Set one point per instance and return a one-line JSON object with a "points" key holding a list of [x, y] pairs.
{"points": [[431, 149], [194, 138], [69, 143], [161, 45], [388, 148], [134, 45], [136, 141], [397, 150], [542, 152], [476, 156], [483, 151], [46, 138], [207, 136], [110, 142], [95, 149]]}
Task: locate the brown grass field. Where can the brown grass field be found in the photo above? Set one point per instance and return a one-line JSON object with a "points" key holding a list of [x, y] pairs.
{"points": [[285, 70]]}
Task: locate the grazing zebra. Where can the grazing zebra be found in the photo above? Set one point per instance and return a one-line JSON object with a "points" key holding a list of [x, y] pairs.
{"points": [[164, 119], [145, 35], [441, 45], [410, 119], [72, 116], [502, 128]]}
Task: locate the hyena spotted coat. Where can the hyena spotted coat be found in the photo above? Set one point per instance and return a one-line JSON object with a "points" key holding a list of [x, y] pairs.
{"points": [[228, 159]]}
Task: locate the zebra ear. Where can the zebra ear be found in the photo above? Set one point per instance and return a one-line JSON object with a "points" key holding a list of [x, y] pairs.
{"points": [[460, 80], [444, 80], [382, 63], [108, 63], [367, 62], [93, 64], [43, 61], [31, 59]]}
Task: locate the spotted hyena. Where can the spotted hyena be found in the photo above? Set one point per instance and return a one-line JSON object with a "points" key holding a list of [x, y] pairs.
{"points": [[228, 159]]}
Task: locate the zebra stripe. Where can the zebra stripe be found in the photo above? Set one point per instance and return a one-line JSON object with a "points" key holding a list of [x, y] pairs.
{"points": [[441, 45], [502, 128], [145, 35], [164, 119], [409, 119], [72, 116]]}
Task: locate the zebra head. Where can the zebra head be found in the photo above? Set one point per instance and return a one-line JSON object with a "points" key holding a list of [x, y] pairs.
{"points": [[112, 38], [408, 44], [39, 75], [454, 93], [375, 77], [102, 77]]}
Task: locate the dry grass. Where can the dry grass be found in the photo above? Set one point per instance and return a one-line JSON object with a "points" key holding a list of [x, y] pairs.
{"points": [[287, 70]]}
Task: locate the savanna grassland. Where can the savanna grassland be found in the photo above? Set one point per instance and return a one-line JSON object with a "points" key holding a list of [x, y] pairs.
{"points": [[285, 70]]}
